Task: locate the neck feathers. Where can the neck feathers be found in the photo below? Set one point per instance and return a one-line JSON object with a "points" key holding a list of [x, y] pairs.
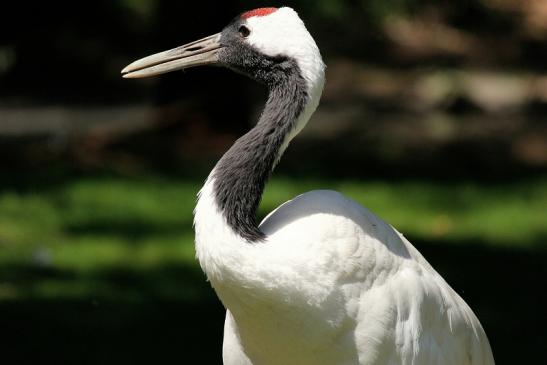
{"points": [[235, 186], [241, 174]]}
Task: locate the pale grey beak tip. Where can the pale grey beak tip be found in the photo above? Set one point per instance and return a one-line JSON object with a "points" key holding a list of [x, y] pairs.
{"points": [[197, 53], [130, 71]]}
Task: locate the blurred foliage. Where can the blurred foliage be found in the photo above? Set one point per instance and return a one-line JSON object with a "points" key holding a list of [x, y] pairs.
{"points": [[144, 8], [88, 44], [375, 11], [89, 225], [105, 264]]}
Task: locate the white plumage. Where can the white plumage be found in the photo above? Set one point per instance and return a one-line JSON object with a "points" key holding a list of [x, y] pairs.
{"points": [[333, 284], [325, 281]]}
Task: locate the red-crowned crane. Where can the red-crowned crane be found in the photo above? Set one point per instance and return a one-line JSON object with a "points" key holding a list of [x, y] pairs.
{"points": [[322, 280]]}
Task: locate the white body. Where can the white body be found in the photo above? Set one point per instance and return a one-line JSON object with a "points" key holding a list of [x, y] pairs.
{"points": [[333, 284]]}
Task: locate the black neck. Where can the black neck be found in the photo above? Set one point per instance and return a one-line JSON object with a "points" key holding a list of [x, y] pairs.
{"points": [[242, 173]]}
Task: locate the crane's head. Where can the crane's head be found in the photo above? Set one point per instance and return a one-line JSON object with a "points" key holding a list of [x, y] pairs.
{"points": [[262, 43]]}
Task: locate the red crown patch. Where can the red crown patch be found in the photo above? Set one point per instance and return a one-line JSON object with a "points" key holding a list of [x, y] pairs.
{"points": [[258, 12]]}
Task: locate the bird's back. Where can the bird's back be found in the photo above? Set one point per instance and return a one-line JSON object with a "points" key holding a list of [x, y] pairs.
{"points": [[356, 292]]}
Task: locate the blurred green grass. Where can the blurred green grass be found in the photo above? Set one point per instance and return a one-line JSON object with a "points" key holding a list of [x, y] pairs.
{"points": [[89, 226]]}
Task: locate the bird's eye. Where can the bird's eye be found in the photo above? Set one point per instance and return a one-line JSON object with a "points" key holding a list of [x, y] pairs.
{"points": [[244, 31]]}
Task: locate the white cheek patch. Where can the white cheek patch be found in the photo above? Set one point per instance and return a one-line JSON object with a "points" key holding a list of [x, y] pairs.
{"points": [[284, 33]]}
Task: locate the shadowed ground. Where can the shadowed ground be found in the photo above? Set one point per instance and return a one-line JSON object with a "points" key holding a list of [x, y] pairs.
{"points": [[170, 315], [101, 269]]}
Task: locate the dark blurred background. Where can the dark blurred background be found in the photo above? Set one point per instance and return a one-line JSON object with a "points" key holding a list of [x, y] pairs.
{"points": [[433, 116]]}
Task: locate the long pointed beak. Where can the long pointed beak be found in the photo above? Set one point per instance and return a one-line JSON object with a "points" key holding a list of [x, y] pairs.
{"points": [[201, 52]]}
